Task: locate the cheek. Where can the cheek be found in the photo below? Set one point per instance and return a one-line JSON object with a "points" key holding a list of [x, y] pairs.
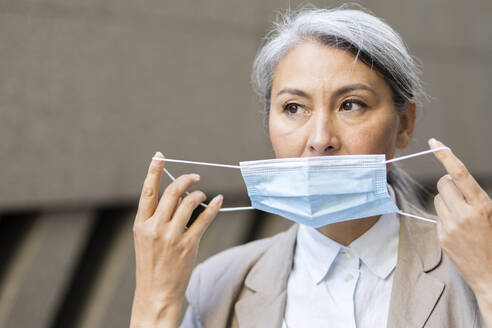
{"points": [[286, 142], [377, 137]]}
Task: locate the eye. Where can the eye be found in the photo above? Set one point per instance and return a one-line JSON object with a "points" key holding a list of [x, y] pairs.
{"points": [[292, 108], [352, 105]]}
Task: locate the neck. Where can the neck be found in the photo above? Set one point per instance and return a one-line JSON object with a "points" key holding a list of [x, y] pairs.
{"points": [[346, 232]]}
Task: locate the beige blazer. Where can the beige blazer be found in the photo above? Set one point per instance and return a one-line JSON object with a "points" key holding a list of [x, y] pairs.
{"points": [[245, 286]]}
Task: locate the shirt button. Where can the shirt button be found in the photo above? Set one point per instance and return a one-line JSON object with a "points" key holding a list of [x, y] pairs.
{"points": [[349, 254], [348, 277]]}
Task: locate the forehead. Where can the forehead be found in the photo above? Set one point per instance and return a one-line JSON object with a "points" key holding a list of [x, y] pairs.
{"points": [[313, 65]]}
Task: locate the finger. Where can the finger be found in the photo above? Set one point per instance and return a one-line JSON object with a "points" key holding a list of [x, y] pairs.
{"points": [[206, 217], [450, 194], [180, 199], [172, 195], [442, 209], [443, 215], [184, 211], [150, 189], [470, 189]]}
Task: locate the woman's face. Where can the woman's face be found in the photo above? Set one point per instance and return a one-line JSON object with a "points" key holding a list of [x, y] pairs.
{"points": [[324, 103]]}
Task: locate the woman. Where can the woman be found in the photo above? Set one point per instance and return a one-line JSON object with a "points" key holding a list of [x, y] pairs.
{"points": [[335, 82]]}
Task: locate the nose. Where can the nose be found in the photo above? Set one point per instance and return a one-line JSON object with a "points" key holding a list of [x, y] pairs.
{"points": [[323, 139]]}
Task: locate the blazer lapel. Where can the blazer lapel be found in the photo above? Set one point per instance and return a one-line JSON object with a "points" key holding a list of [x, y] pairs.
{"points": [[264, 301], [415, 292]]}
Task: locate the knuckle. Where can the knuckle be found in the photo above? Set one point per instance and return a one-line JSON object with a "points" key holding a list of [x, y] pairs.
{"points": [[190, 202], [437, 200], [488, 208], [444, 240], [136, 228], [148, 192], [451, 233], [485, 200], [461, 171], [145, 231], [173, 190], [182, 247], [190, 240], [172, 240], [149, 232], [466, 222], [485, 211], [443, 237]]}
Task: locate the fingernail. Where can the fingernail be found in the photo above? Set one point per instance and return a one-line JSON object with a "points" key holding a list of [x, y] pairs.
{"points": [[433, 143], [156, 161], [195, 176], [217, 199]]}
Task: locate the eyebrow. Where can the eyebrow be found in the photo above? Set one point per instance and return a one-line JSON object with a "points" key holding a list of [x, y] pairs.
{"points": [[337, 93], [352, 87], [294, 91]]}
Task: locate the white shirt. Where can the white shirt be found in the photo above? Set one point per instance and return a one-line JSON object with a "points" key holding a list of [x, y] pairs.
{"points": [[335, 286]]}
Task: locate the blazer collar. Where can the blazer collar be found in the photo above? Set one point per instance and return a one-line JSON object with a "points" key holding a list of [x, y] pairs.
{"points": [[267, 281], [415, 292]]}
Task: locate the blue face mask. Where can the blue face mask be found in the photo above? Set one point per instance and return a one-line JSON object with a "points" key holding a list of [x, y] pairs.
{"points": [[317, 191]]}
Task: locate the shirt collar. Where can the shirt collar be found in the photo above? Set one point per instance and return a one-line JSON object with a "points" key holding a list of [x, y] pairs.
{"points": [[377, 247], [315, 251]]}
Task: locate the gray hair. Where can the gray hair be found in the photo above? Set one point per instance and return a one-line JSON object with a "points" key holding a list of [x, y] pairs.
{"points": [[360, 33], [367, 37]]}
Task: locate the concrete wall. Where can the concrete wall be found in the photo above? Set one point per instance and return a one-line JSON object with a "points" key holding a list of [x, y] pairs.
{"points": [[89, 90]]}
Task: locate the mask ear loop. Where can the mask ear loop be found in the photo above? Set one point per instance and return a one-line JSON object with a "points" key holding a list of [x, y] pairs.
{"points": [[420, 153], [225, 209], [232, 209], [410, 156]]}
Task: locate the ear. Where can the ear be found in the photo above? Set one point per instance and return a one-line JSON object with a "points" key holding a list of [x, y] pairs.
{"points": [[407, 124]]}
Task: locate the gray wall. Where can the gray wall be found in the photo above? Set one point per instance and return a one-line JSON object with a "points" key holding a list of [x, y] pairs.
{"points": [[89, 90]]}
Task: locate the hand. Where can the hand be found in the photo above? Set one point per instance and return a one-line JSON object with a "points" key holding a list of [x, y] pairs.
{"points": [[464, 226], [165, 249]]}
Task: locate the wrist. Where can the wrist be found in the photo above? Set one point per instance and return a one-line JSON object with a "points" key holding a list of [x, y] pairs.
{"points": [[148, 312]]}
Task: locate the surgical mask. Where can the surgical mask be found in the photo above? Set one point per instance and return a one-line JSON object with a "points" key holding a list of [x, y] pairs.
{"points": [[317, 191]]}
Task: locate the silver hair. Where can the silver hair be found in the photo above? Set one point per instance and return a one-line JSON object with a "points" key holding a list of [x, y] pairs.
{"points": [[366, 37]]}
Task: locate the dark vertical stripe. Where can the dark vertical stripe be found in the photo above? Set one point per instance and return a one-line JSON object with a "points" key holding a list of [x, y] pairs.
{"points": [[86, 272], [257, 222], [13, 229]]}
